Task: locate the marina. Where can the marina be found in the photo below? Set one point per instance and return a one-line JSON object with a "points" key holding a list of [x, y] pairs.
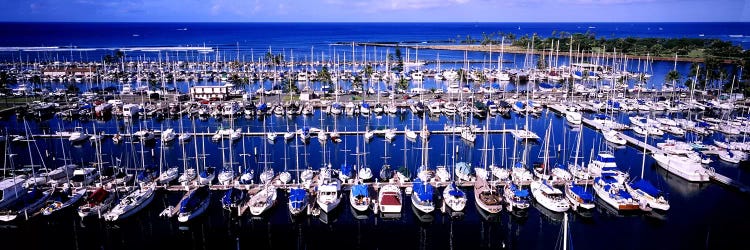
{"points": [[144, 151]]}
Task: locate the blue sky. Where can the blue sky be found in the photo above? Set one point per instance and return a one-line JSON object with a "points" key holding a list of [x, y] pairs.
{"points": [[376, 10]]}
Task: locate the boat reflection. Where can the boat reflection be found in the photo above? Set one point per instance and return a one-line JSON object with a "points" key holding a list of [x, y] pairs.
{"points": [[679, 185]]}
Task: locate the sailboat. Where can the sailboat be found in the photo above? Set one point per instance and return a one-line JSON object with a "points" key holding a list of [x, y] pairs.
{"points": [[644, 191], [206, 175], [263, 200], [453, 196], [233, 199], [328, 196], [298, 198], [422, 198], [131, 203], [194, 203], [515, 196], [97, 203], [246, 174], [544, 193], [26, 206], [168, 175], [359, 197], [63, 199], [579, 171]]}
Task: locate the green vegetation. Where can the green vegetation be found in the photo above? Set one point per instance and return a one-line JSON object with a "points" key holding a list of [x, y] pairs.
{"points": [[114, 58], [399, 65], [589, 42]]}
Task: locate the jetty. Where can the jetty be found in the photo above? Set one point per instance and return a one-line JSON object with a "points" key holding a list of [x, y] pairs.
{"points": [[639, 144]]}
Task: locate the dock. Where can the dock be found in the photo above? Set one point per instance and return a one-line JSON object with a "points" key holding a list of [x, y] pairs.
{"points": [[639, 144]]}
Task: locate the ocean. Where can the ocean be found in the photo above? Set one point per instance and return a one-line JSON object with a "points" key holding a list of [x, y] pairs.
{"points": [[703, 216]]}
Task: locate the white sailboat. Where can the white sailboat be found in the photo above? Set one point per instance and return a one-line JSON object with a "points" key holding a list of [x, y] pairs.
{"points": [[544, 193], [645, 192]]}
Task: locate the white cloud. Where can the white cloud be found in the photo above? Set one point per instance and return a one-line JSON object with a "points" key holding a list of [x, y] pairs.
{"points": [[239, 8], [376, 5]]}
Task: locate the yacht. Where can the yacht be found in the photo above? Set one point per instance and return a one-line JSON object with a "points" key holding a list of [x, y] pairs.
{"points": [[548, 196], [422, 198], [683, 167], [97, 203], [610, 189], [614, 137], [78, 135], [329, 196], [389, 199], [573, 116], [454, 197], [131, 203], [194, 203], [359, 197], [263, 200], [486, 197], [11, 189], [298, 199], [516, 197], [643, 191], [579, 196]]}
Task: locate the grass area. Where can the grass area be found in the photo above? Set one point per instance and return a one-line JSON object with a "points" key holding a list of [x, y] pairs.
{"points": [[696, 53]]}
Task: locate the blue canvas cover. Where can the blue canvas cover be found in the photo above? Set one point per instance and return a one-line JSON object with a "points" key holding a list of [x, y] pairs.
{"points": [[582, 193], [646, 187], [423, 191], [297, 197], [346, 169], [233, 195], [360, 190], [454, 191], [192, 202]]}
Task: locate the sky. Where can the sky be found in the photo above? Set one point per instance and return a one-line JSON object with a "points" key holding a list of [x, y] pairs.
{"points": [[375, 10]]}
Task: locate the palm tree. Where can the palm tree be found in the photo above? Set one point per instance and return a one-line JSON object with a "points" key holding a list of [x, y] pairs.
{"points": [[672, 76]]}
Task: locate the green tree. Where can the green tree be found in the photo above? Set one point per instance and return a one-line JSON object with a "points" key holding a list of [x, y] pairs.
{"points": [[399, 66], [403, 84], [324, 76], [672, 76]]}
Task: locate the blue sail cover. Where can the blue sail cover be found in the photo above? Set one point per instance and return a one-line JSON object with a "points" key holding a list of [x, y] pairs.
{"points": [[337, 105], [297, 197], [365, 105], [518, 164], [519, 104], [263, 107], [232, 196], [582, 193], [624, 194], [463, 168], [360, 190], [423, 191], [523, 193], [346, 169], [646, 187], [454, 191], [192, 202]]}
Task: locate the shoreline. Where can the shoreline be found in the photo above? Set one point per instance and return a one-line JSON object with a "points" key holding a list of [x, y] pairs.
{"points": [[518, 50]]}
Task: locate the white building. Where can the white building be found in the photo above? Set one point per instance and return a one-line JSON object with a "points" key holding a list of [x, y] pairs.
{"points": [[208, 92]]}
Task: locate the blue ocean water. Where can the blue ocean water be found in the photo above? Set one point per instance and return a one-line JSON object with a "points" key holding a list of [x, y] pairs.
{"points": [[703, 216], [87, 41]]}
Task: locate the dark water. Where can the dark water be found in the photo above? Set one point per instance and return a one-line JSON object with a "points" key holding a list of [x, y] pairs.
{"points": [[702, 215]]}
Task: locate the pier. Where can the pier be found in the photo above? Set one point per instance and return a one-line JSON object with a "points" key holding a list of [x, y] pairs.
{"points": [[639, 144]]}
